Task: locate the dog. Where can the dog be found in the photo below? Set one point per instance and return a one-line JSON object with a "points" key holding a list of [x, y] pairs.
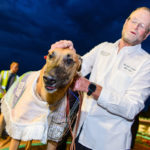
{"points": [[38, 99]]}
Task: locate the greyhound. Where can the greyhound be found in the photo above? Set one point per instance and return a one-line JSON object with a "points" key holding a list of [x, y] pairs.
{"points": [[38, 99]]}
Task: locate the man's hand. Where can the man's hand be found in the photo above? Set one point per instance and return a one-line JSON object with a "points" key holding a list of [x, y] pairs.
{"points": [[81, 84], [63, 44]]}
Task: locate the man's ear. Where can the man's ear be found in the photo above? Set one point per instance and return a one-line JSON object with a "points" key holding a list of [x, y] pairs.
{"points": [[147, 35]]}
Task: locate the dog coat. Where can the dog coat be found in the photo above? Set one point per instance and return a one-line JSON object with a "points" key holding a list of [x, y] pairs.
{"points": [[28, 117]]}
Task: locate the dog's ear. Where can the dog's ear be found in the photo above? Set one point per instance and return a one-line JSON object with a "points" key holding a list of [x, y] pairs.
{"points": [[80, 63]]}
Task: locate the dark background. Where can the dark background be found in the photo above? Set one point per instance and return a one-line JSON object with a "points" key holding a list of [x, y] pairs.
{"points": [[29, 27]]}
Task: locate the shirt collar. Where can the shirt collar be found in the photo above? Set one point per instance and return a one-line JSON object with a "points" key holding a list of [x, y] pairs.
{"points": [[128, 49]]}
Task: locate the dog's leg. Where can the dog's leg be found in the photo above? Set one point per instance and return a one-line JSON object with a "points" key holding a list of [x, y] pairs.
{"points": [[51, 146], [2, 124], [14, 144], [5, 141], [28, 145]]}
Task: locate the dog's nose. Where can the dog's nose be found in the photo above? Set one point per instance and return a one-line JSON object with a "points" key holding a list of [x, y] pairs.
{"points": [[49, 80]]}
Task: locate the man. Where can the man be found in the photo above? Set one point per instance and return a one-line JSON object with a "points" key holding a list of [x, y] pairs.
{"points": [[118, 86], [7, 78]]}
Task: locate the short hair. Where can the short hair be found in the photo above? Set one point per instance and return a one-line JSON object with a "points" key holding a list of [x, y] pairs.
{"points": [[14, 63], [144, 8]]}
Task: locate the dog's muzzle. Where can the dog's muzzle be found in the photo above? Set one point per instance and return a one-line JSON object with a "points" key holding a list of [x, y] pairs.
{"points": [[50, 83]]}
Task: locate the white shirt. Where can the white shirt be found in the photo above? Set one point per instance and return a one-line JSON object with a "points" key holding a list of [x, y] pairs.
{"points": [[125, 81]]}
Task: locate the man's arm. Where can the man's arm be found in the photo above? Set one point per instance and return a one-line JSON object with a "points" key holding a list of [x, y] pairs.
{"points": [[126, 104], [82, 84]]}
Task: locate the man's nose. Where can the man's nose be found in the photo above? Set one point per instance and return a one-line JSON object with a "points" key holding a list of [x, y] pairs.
{"points": [[136, 26]]}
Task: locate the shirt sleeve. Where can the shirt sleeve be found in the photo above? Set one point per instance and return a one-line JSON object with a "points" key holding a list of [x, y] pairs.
{"points": [[129, 104]]}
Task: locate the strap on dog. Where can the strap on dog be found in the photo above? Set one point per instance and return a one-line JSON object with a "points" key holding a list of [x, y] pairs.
{"points": [[72, 147]]}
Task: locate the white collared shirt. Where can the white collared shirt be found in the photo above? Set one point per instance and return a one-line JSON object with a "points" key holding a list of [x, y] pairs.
{"points": [[125, 78]]}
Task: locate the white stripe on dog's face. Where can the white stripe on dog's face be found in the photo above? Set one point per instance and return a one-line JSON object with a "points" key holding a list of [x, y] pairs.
{"points": [[61, 67]]}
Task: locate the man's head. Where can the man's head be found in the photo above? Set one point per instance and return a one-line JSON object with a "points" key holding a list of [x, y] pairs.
{"points": [[14, 67], [137, 26]]}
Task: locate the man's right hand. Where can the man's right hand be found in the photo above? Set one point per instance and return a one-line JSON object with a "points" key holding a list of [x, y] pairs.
{"points": [[63, 44]]}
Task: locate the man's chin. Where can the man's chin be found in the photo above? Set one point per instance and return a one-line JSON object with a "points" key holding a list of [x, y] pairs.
{"points": [[130, 41]]}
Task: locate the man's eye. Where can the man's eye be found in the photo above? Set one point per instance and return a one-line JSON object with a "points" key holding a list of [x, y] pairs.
{"points": [[141, 25]]}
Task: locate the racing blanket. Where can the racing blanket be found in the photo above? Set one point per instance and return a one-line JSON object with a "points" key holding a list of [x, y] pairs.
{"points": [[28, 117]]}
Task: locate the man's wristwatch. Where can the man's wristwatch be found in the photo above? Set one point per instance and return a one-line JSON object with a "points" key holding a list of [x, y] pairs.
{"points": [[91, 88]]}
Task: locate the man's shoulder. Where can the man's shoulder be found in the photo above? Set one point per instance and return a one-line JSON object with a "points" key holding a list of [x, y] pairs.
{"points": [[4, 71], [144, 53], [104, 45]]}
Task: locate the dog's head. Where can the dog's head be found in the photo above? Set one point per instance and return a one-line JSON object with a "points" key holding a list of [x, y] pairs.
{"points": [[60, 68]]}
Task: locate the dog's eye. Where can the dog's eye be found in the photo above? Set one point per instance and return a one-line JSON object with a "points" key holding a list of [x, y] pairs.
{"points": [[69, 61], [51, 55]]}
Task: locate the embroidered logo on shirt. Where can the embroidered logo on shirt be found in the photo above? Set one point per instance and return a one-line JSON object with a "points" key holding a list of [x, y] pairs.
{"points": [[128, 68], [104, 53]]}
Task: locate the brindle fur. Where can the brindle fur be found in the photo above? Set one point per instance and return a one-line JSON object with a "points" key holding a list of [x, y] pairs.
{"points": [[61, 65]]}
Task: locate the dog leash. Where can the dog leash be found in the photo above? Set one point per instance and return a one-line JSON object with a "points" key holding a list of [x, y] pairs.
{"points": [[72, 147]]}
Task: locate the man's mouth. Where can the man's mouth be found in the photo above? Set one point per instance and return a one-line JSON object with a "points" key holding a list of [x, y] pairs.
{"points": [[133, 32]]}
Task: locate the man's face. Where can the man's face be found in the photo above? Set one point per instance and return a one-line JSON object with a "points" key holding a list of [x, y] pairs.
{"points": [[14, 68], [136, 27]]}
